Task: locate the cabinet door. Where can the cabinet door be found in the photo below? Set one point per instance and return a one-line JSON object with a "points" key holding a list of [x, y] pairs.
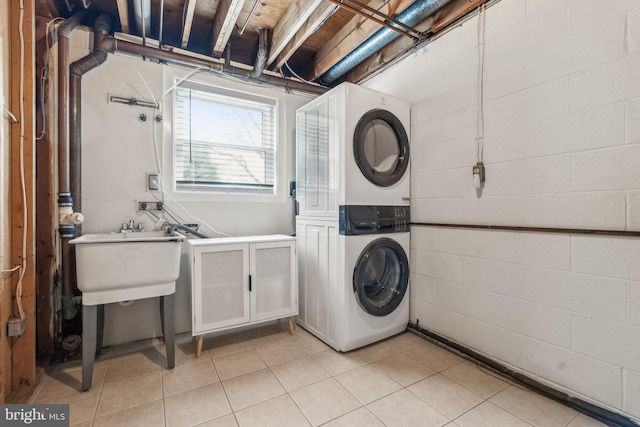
{"points": [[274, 285], [317, 249], [221, 287]]}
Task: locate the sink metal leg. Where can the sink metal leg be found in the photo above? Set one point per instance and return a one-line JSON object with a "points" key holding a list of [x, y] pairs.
{"points": [[162, 315], [100, 330], [167, 311], [89, 337]]}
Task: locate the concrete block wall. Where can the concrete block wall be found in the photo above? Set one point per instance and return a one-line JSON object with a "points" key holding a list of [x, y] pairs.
{"points": [[562, 149]]}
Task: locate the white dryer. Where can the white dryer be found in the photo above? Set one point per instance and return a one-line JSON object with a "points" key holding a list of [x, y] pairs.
{"points": [[354, 275], [352, 149]]}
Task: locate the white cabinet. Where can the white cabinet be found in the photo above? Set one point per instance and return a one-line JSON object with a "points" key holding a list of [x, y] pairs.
{"points": [[241, 281], [318, 277]]}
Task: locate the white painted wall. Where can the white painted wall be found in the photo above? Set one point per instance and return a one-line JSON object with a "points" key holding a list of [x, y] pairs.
{"points": [[117, 153], [562, 149]]}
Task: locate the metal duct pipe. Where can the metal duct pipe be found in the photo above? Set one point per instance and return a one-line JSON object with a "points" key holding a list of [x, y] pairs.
{"points": [[67, 218], [264, 46], [142, 15], [411, 16]]}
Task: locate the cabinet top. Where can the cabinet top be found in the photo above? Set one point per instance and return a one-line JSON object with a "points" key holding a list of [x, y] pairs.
{"points": [[243, 239]]}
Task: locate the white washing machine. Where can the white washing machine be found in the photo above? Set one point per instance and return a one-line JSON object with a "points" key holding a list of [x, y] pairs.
{"points": [[352, 149], [354, 275]]}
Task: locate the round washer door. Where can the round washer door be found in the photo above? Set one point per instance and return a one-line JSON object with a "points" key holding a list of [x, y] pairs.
{"points": [[381, 147], [381, 276]]}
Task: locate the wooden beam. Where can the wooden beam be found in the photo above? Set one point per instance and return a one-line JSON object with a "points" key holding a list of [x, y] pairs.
{"points": [[453, 15], [23, 347], [6, 260], [449, 14], [188, 22], [308, 28], [223, 24], [289, 23], [45, 206], [48, 8], [123, 13], [41, 28], [352, 35]]}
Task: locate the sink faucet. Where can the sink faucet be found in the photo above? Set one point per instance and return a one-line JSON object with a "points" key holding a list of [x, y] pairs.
{"points": [[131, 226]]}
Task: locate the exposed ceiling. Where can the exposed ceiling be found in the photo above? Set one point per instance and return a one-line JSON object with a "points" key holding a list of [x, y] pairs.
{"points": [[307, 37]]}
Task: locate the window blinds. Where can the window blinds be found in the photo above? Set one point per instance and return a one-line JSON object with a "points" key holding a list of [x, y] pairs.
{"points": [[223, 139]]}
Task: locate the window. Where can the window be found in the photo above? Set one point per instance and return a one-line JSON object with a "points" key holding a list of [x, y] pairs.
{"points": [[224, 140]]}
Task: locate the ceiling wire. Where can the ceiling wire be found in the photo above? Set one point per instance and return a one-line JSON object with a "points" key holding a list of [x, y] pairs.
{"points": [[286, 64]]}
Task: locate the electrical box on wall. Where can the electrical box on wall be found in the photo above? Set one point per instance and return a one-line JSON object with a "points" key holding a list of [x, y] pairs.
{"points": [[152, 182], [478, 175], [16, 326]]}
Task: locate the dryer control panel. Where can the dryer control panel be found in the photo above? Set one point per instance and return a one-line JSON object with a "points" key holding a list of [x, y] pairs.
{"points": [[359, 219]]}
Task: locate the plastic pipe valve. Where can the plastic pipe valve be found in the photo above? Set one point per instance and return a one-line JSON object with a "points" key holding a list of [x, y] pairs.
{"points": [[69, 217]]}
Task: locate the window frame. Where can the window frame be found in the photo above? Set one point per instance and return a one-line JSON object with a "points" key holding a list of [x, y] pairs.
{"points": [[222, 193], [269, 147]]}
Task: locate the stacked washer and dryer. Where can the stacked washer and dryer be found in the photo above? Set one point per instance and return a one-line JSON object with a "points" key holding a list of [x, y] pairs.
{"points": [[353, 220]]}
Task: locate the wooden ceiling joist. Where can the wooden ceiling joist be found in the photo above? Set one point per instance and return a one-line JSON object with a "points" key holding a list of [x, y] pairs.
{"points": [[223, 24], [48, 8], [291, 21], [308, 28], [188, 22], [352, 35], [453, 14], [123, 12]]}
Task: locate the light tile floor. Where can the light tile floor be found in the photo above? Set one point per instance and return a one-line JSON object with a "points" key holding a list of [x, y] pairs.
{"points": [[266, 377]]}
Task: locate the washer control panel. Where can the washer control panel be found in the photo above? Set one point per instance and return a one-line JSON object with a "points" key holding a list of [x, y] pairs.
{"points": [[362, 219]]}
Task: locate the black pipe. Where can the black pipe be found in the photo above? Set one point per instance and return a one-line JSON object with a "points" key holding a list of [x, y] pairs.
{"points": [[64, 33], [603, 415], [65, 200], [172, 229], [103, 44], [620, 233], [189, 61]]}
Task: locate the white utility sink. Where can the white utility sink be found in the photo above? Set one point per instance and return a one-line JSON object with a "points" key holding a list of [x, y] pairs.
{"points": [[126, 266]]}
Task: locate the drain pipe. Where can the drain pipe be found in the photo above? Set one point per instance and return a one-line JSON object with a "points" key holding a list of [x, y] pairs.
{"points": [[102, 45], [411, 16], [264, 46], [67, 218]]}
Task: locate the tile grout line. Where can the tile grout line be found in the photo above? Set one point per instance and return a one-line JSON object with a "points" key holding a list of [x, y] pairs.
{"points": [[224, 390]]}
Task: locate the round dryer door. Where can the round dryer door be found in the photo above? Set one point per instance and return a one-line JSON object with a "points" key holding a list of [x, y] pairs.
{"points": [[381, 276], [381, 147]]}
